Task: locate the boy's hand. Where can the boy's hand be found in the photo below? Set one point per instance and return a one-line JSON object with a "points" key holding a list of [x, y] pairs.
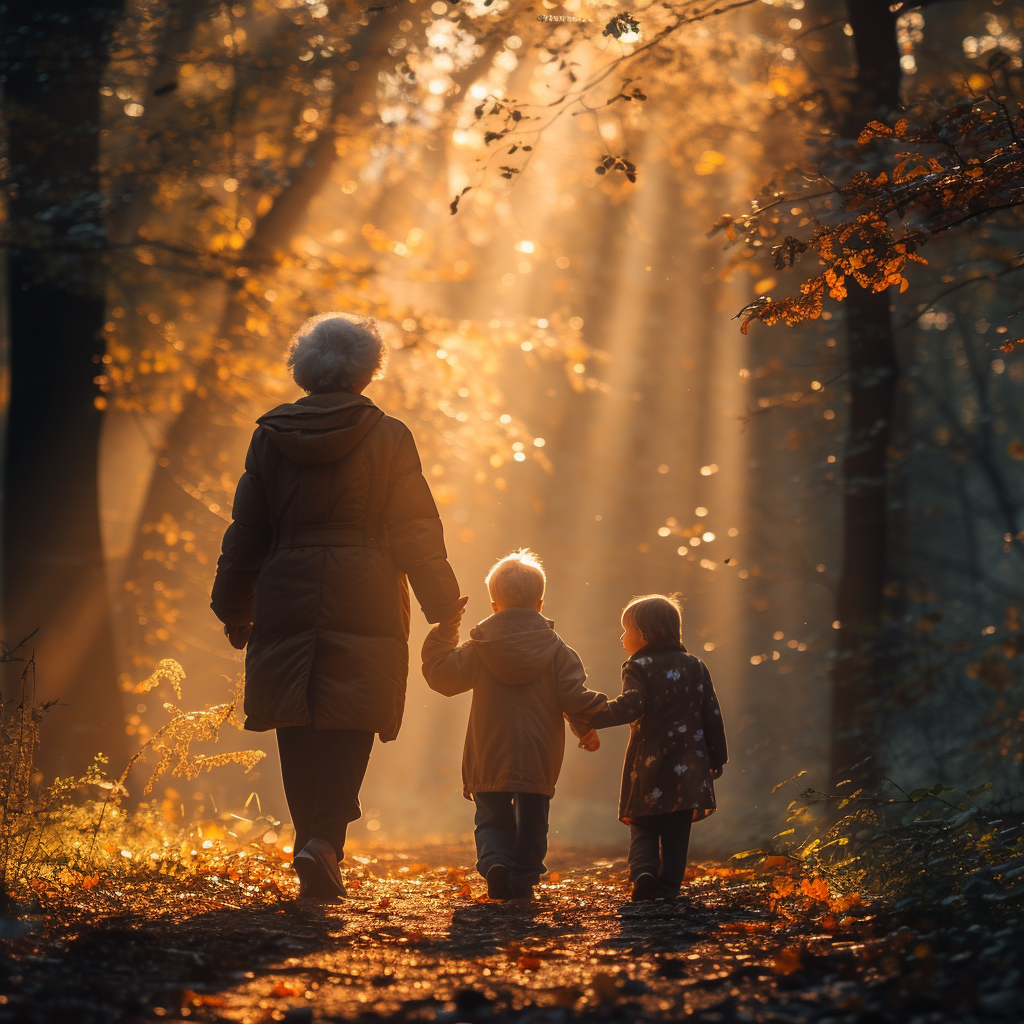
{"points": [[238, 635], [716, 773], [590, 741], [452, 622]]}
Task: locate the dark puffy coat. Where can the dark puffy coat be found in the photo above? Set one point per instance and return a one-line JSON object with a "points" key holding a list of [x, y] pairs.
{"points": [[331, 518], [523, 677], [677, 735]]}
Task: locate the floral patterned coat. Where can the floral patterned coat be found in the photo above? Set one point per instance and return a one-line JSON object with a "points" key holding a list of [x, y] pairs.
{"points": [[676, 735]]}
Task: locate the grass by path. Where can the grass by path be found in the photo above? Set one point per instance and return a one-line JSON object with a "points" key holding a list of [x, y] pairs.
{"points": [[418, 940]]}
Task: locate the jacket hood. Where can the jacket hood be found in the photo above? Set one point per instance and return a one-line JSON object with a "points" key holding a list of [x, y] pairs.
{"points": [[516, 644], [320, 428]]}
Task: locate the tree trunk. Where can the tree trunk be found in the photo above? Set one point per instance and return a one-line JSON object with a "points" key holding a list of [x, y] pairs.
{"points": [[53, 58], [872, 372]]}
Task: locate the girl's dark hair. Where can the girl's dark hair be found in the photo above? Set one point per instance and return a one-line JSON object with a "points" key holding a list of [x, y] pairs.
{"points": [[656, 617]]}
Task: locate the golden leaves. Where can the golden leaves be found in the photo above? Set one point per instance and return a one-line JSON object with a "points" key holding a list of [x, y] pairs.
{"points": [[978, 169], [880, 130], [173, 741], [168, 671]]}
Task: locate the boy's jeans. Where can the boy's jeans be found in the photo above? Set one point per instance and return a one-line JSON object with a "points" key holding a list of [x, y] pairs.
{"points": [[658, 844], [512, 829]]}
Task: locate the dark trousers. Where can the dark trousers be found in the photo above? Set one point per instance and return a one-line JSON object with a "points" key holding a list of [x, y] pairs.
{"points": [[322, 771], [657, 846], [512, 829]]}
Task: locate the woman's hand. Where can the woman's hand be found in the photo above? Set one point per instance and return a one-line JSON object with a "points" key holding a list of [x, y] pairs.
{"points": [[449, 628], [716, 773], [238, 635], [590, 741]]}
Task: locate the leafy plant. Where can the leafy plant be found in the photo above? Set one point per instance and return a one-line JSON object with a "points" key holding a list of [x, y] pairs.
{"points": [[77, 827], [928, 846]]}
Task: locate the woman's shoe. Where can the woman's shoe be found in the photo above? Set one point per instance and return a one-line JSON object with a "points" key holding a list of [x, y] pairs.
{"points": [[316, 864], [645, 887]]}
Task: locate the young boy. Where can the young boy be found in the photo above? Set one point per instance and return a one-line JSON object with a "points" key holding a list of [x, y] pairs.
{"points": [[524, 678]]}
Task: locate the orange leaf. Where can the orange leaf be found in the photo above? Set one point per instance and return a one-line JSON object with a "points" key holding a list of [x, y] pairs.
{"points": [[788, 960], [1015, 449], [816, 888], [89, 881], [465, 893], [289, 988], [843, 903], [529, 963], [783, 885]]}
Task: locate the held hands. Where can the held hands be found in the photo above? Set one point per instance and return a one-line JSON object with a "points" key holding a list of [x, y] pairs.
{"points": [[590, 740], [716, 773], [450, 626], [238, 635]]}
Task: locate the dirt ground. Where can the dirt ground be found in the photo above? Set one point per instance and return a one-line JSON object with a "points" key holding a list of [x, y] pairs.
{"points": [[418, 940]]}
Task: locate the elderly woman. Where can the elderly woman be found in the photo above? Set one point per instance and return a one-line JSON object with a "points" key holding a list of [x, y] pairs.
{"points": [[332, 517]]}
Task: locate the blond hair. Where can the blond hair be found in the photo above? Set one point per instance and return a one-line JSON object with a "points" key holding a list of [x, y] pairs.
{"points": [[517, 580], [656, 617]]}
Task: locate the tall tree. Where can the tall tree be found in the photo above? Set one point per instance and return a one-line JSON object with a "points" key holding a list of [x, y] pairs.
{"points": [[872, 375], [52, 57]]}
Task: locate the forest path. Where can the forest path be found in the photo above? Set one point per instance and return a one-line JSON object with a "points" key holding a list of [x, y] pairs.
{"points": [[419, 941]]}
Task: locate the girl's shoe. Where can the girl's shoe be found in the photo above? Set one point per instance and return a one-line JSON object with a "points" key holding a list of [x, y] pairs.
{"points": [[645, 887], [316, 864], [498, 885]]}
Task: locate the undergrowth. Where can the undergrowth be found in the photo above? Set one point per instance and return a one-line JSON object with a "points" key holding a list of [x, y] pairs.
{"points": [[77, 829], [926, 847]]}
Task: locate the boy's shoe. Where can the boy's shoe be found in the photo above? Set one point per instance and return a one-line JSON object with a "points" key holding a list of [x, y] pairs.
{"points": [[522, 891], [645, 887], [316, 864], [498, 885]]}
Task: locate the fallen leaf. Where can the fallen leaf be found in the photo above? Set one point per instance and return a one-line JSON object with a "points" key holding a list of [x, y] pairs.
{"points": [[788, 960], [815, 888], [783, 885]]}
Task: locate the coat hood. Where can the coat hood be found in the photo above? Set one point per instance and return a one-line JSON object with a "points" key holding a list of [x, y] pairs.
{"points": [[320, 428], [515, 644]]}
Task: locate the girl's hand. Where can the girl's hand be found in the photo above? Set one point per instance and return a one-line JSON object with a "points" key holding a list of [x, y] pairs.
{"points": [[716, 773], [590, 740]]}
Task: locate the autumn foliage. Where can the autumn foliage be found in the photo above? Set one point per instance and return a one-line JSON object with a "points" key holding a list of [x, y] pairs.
{"points": [[965, 164]]}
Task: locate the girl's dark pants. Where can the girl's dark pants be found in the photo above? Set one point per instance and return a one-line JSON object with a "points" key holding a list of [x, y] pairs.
{"points": [[512, 829], [657, 846], [322, 770]]}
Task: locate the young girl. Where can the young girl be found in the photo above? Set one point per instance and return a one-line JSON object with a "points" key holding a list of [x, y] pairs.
{"points": [[676, 744]]}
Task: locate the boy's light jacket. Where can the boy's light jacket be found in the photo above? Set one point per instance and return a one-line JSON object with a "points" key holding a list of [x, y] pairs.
{"points": [[524, 677]]}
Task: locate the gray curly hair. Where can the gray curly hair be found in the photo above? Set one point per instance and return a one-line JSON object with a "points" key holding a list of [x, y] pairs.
{"points": [[337, 352]]}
